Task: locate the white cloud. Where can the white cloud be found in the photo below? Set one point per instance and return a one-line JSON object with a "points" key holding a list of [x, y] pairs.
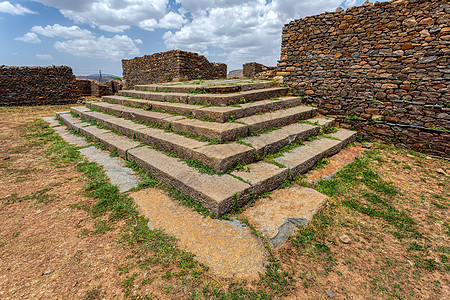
{"points": [[149, 24], [138, 41], [44, 56], [16, 9], [171, 20], [115, 48], [29, 37], [72, 32], [110, 15], [245, 30]]}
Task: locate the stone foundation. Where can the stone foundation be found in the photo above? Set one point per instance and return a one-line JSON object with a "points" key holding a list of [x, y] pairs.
{"points": [[171, 65]]}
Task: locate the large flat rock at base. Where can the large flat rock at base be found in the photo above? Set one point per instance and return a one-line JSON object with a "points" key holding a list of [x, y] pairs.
{"points": [[228, 248], [279, 217], [337, 162]]}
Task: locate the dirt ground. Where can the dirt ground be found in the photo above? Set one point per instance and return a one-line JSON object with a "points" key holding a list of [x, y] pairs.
{"points": [[48, 249]]}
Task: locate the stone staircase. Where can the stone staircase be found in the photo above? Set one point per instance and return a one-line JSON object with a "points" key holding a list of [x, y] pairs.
{"points": [[219, 142]]}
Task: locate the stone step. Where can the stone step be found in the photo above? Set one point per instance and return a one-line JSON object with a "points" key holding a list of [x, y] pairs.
{"points": [[277, 118], [222, 132], [229, 87], [220, 157], [302, 159], [209, 99], [219, 194], [219, 114], [273, 141]]}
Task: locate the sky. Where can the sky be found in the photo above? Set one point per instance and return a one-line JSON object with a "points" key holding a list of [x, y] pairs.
{"points": [[93, 35]]}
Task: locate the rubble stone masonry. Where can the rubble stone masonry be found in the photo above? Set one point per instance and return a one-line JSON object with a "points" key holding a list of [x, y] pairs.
{"points": [[166, 66], [37, 85], [258, 71], [382, 68]]}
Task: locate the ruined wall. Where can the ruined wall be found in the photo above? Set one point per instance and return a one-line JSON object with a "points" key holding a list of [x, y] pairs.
{"points": [[258, 71], [37, 85], [84, 86], [89, 87], [382, 68], [166, 66]]}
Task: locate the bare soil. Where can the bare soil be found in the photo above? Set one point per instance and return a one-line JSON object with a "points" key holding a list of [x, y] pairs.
{"points": [[48, 248]]}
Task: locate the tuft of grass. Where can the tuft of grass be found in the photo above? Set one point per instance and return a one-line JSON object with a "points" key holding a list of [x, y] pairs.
{"points": [[39, 197]]}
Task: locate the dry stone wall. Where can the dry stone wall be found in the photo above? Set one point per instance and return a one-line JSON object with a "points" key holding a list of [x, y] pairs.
{"points": [[37, 85], [170, 65], [89, 87], [383, 68], [84, 86], [258, 71]]}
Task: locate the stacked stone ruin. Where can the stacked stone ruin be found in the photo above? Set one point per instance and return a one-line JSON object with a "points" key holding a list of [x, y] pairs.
{"points": [[258, 71], [382, 68], [37, 85], [170, 65], [90, 87], [221, 143]]}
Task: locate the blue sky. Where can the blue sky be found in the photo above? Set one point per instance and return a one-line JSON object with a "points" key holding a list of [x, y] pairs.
{"points": [[92, 35]]}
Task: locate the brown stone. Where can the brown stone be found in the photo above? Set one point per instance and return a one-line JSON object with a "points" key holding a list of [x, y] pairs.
{"points": [[389, 86], [427, 21], [405, 39], [372, 111], [392, 24], [410, 22], [407, 46], [424, 33], [309, 92]]}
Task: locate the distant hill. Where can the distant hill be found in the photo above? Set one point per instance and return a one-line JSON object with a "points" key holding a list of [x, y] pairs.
{"points": [[235, 73], [105, 77]]}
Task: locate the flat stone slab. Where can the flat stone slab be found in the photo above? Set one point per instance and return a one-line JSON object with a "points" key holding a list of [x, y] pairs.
{"points": [[262, 176], [77, 141], [114, 167], [279, 217], [278, 118], [52, 121], [219, 194], [236, 98], [214, 86], [273, 141], [223, 157], [303, 158], [219, 114], [212, 130], [228, 248]]}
